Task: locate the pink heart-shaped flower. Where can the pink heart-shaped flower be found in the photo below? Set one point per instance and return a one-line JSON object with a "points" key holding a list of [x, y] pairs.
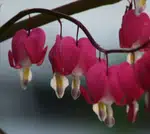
{"points": [[64, 55], [134, 29]]}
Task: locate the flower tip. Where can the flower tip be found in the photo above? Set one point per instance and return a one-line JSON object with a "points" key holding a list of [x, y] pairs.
{"points": [[24, 87], [75, 94], [102, 115], [24, 84], [59, 93], [110, 122]]}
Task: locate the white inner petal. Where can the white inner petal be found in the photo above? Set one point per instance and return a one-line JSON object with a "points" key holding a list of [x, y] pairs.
{"points": [[76, 82], [100, 108], [96, 110], [136, 106], [137, 55], [146, 99], [109, 110], [25, 76], [127, 108], [59, 82]]}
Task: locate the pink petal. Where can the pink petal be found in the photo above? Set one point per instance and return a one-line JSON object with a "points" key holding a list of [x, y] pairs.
{"points": [[51, 57], [39, 34], [135, 28], [142, 71], [121, 38], [96, 80], [34, 45], [114, 86], [18, 50], [11, 61], [64, 55], [43, 56], [128, 82], [147, 102], [86, 96], [86, 47], [87, 54]]}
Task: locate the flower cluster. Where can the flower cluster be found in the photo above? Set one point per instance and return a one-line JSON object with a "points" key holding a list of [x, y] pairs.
{"points": [[122, 84]]}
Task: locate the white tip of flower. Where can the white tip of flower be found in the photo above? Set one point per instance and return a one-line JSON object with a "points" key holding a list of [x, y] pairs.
{"points": [[127, 108], [96, 110], [59, 83], [100, 110], [110, 121], [75, 92], [136, 106], [146, 99], [25, 77]]}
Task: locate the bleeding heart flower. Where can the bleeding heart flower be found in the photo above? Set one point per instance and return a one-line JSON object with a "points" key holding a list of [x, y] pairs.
{"points": [[63, 57], [142, 73], [103, 91], [27, 50], [86, 59], [135, 30], [130, 88]]}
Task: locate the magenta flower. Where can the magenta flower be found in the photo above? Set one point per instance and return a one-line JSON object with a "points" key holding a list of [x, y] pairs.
{"points": [[135, 30], [130, 88], [116, 88], [63, 57], [86, 59], [27, 50], [103, 91], [142, 74]]}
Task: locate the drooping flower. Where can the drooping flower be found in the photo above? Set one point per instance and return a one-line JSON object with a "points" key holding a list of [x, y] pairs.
{"points": [[142, 73], [86, 59], [27, 50], [63, 57], [135, 30], [102, 91], [133, 106], [118, 87], [130, 88]]}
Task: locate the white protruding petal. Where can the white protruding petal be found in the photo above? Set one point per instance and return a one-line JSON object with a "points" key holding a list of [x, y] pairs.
{"points": [[110, 120], [30, 76], [59, 84], [133, 58], [100, 110], [75, 92], [96, 110], [146, 99], [136, 107], [127, 108], [23, 81]]}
